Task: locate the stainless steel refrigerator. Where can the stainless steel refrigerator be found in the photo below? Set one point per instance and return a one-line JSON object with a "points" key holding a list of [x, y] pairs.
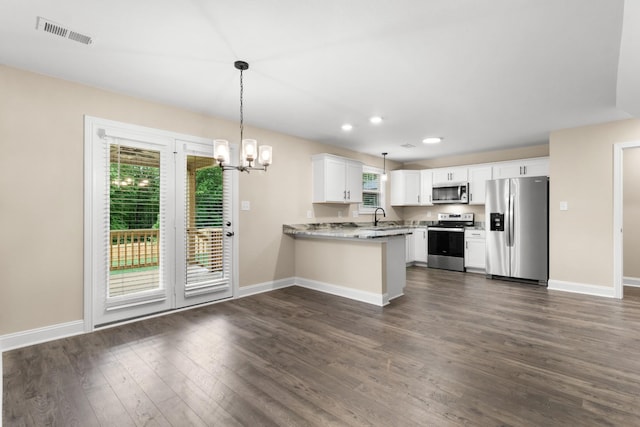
{"points": [[517, 232]]}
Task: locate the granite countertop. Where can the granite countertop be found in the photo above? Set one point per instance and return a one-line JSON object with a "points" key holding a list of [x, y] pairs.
{"points": [[359, 230], [348, 230]]}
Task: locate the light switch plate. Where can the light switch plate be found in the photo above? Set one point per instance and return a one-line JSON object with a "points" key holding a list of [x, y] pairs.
{"points": [[564, 206], [245, 205]]}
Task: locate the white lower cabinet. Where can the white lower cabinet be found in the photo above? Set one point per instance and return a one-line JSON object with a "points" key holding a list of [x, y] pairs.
{"points": [[474, 250], [408, 248], [416, 246], [420, 245]]}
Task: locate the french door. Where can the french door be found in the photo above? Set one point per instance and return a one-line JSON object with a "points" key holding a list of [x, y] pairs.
{"points": [[159, 229]]}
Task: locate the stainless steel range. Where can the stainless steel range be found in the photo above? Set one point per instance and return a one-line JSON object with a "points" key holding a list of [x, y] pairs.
{"points": [[446, 241]]}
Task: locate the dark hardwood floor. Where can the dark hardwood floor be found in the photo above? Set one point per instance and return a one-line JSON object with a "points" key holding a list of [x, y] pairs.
{"points": [[457, 349]]}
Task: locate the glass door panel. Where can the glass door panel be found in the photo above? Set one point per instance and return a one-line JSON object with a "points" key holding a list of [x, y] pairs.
{"points": [[204, 252], [134, 221]]}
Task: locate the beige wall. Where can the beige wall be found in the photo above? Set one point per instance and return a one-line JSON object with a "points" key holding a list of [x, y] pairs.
{"points": [[581, 238], [41, 188], [352, 264], [631, 212]]}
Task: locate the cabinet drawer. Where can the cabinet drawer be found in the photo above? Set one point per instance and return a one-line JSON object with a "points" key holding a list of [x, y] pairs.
{"points": [[474, 234]]}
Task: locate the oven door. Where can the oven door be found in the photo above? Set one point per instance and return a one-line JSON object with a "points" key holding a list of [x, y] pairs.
{"points": [[446, 248]]}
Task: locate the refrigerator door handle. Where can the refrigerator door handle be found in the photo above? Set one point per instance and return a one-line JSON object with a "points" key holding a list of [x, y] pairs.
{"points": [[510, 224]]}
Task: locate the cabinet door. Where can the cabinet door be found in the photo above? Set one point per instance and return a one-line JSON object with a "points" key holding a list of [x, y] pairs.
{"points": [[458, 174], [409, 247], [440, 176], [478, 178], [412, 187], [474, 253], [405, 188], [538, 167], [334, 180], [420, 244], [425, 187], [353, 180], [444, 175], [396, 187]]}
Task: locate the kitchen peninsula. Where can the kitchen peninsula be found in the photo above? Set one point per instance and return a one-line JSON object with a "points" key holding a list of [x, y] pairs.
{"points": [[354, 260]]}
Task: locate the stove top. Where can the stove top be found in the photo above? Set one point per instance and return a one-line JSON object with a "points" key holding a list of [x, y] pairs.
{"points": [[452, 220]]}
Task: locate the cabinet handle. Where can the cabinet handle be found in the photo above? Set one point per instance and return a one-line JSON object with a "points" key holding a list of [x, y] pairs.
{"points": [[466, 245], [344, 194], [525, 169], [418, 198], [349, 193], [471, 197]]}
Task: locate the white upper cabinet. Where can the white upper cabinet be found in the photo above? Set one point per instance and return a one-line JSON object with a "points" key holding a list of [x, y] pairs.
{"points": [[478, 177], [405, 187], [410, 187], [336, 179], [426, 183], [520, 168], [446, 175]]}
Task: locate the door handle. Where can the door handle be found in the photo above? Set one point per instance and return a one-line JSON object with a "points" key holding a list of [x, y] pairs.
{"points": [[230, 233], [511, 226]]}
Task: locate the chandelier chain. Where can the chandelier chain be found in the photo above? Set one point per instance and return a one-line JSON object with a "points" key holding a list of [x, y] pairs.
{"points": [[241, 107]]}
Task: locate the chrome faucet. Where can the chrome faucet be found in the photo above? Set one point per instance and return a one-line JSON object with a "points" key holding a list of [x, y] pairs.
{"points": [[375, 216]]}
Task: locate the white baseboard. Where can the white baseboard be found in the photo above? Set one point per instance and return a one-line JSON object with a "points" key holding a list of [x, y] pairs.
{"points": [[245, 291], [342, 291], [581, 288], [39, 335], [631, 281]]}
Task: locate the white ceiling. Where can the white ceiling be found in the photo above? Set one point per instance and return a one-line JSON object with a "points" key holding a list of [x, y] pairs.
{"points": [[484, 74]]}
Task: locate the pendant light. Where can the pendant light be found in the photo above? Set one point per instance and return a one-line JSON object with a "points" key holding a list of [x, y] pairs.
{"points": [[384, 176], [251, 153]]}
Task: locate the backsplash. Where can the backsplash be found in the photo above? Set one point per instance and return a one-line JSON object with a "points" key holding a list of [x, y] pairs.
{"points": [[430, 213]]}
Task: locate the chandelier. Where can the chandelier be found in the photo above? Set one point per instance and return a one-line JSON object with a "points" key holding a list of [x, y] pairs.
{"points": [[252, 155]]}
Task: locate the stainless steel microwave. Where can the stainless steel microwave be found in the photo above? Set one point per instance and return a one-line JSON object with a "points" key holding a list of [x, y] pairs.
{"points": [[450, 192]]}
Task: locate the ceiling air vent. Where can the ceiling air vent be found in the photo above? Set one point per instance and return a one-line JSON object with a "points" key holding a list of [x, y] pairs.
{"points": [[408, 146], [43, 24]]}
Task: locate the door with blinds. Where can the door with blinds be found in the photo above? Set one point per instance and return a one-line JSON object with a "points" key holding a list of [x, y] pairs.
{"points": [[159, 226], [203, 226]]}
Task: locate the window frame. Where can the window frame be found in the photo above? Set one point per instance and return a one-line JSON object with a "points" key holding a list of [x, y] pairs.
{"points": [[366, 210]]}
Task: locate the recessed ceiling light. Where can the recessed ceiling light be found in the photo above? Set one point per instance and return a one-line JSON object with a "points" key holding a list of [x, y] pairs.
{"points": [[376, 120], [432, 140], [347, 127]]}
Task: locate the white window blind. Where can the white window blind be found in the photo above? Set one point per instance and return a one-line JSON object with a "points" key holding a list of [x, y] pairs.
{"points": [[207, 251], [135, 209], [372, 190]]}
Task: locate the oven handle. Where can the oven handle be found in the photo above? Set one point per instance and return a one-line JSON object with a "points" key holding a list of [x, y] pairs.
{"points": [[457, 230]]}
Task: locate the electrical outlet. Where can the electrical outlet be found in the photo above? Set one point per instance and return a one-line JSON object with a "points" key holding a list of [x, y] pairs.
{"points": [[309, 214], [245, 205], [356, 214], [339, 214]]}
